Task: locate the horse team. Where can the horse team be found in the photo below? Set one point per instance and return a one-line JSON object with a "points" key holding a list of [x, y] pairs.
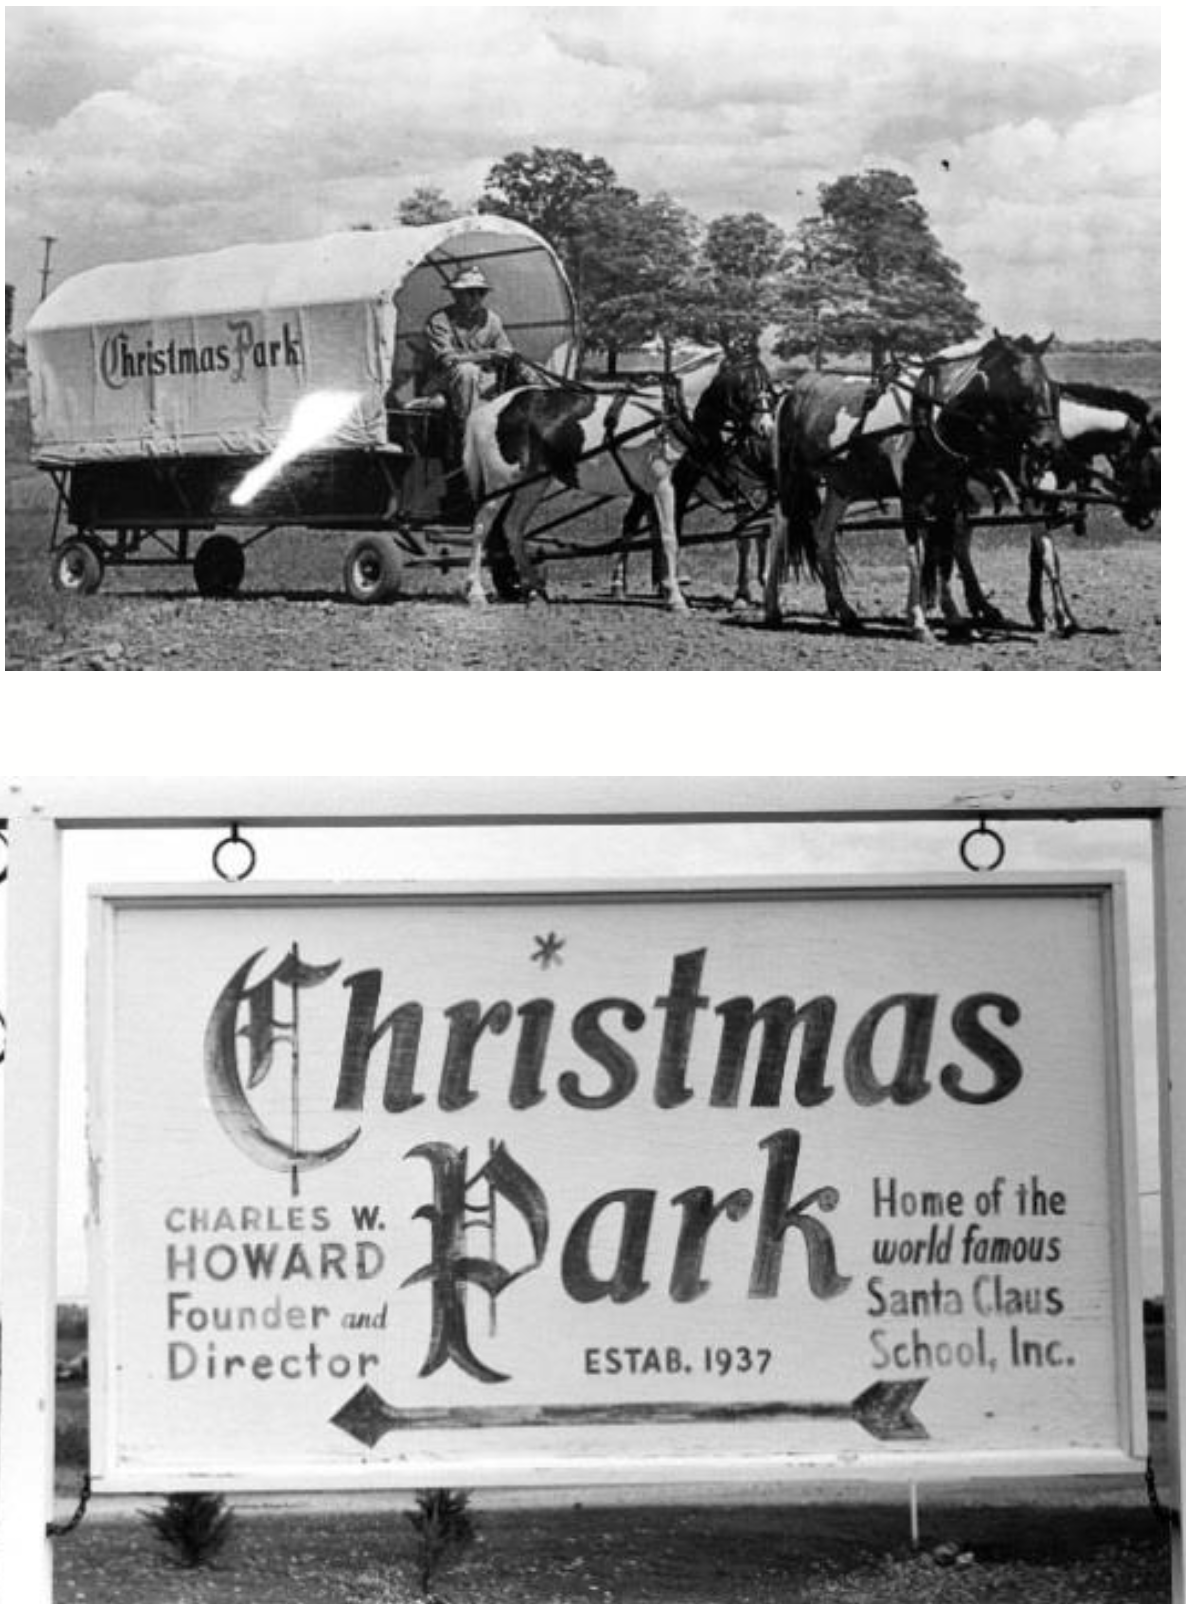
{"points": [[931, 435]]}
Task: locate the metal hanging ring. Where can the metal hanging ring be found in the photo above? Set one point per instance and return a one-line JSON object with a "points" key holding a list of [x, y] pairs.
{"points": [[997, 849], [229, 843]]}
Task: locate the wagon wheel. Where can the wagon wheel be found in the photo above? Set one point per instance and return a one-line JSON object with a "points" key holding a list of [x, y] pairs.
{"points": [[371, 572], [78, 566], [219, 566]]}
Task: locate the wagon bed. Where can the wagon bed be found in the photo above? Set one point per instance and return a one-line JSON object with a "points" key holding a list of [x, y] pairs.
{"points": [[157, 388]]}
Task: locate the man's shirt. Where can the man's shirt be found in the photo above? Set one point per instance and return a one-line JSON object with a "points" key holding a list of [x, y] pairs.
{"points": [[450, 341]]}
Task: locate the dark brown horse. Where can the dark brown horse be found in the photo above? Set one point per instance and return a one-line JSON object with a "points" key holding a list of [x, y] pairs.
{"points": [[1099, 425], [918, 437]]}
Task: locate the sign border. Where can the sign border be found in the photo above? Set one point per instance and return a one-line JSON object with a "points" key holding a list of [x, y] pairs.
{"points": [[1107, 889]]}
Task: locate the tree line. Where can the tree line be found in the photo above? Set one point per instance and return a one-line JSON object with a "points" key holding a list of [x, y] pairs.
{"points": [[864, 276]]}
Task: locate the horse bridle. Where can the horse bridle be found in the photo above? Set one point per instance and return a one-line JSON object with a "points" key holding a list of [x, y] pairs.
{"points": [[740, 435], [740, 453], [1126, 465], [928, 420]]}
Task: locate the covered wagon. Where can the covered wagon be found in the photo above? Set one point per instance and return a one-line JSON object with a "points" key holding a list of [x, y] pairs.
{"points": [[186, 407]]}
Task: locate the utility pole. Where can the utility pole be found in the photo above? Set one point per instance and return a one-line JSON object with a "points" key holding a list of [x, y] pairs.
{"points": [[49, 241]]}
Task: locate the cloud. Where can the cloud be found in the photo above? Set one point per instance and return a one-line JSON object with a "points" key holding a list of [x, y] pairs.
{"points": [[1055, 225], [146, 131]]}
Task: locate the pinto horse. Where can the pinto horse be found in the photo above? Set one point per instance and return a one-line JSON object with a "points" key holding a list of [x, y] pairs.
{"points": [[1122, 430], [1098, 423], [917, 437], [524, 444], [729, 455]]}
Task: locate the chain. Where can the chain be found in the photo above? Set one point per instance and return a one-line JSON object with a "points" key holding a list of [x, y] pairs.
{"points": [[1164, 1513], [63, 1528]]}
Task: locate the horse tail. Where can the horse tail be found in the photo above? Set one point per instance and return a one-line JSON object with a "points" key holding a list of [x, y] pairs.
{"points": [[800, 501], [798, 496]]}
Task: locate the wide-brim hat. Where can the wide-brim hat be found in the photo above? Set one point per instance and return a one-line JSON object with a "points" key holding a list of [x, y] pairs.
{"points": [[471, 278]]}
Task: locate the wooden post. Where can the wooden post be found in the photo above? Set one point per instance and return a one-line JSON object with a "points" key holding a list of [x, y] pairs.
{"points": [[28, 1272], [1169, 880]]}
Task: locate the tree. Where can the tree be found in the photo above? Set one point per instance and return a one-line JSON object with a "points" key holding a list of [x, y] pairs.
{"points": [[741, 256], [545, 187], [634, 269], [868, 274], [744, 245], [823, 302], [427, 204]]}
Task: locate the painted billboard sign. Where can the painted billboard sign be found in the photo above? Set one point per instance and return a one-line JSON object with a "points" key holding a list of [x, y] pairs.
{"points": [[483, 1184]]}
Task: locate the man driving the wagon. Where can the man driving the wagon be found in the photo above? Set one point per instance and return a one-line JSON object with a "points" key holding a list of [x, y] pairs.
{"points": [[469, 346]]}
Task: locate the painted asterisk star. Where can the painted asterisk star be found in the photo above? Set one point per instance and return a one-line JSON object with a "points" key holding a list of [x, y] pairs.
{"points": [[547, 950]]}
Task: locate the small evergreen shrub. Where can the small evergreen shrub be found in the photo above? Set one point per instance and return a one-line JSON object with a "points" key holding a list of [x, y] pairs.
{"points": [[194, 1527], [444, 1527]]}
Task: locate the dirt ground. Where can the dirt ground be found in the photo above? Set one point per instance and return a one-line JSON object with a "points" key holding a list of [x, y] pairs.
{"points": [[773, 1553], [293, 613]]}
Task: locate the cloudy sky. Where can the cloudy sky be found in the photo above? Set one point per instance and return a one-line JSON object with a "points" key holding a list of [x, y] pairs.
{"points": [[1031, 133]]}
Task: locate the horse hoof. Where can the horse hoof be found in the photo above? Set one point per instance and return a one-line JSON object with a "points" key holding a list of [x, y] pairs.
{"points": [[922, 635], [537, 596], [677, 604], [477, 598], [850, 624], [1067, 630], [741, 604], [991, 618]]}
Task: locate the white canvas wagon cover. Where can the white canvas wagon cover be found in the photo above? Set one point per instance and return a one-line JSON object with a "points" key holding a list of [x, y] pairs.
{"points": [[209, 354]]}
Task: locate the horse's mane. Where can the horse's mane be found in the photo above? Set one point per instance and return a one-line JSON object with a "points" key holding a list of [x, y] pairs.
{"points": [[979, 343], [1103, 395]]}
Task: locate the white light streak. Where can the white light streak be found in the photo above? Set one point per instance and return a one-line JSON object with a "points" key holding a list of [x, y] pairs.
{"points": [[314, 418]]}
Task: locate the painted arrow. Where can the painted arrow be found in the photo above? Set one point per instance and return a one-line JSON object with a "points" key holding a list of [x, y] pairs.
{"points": [[884, 1410]]}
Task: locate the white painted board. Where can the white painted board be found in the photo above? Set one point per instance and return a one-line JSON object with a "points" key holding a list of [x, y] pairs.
{"points": [[788, 1180]]}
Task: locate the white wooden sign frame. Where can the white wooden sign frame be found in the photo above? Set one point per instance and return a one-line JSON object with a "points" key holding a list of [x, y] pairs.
{"points": [[41, 812], [649, 1450]]}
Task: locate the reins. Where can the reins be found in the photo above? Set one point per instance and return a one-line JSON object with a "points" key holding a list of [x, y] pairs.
{"points": [[665, 411], [669, 413], [926, 408]]}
